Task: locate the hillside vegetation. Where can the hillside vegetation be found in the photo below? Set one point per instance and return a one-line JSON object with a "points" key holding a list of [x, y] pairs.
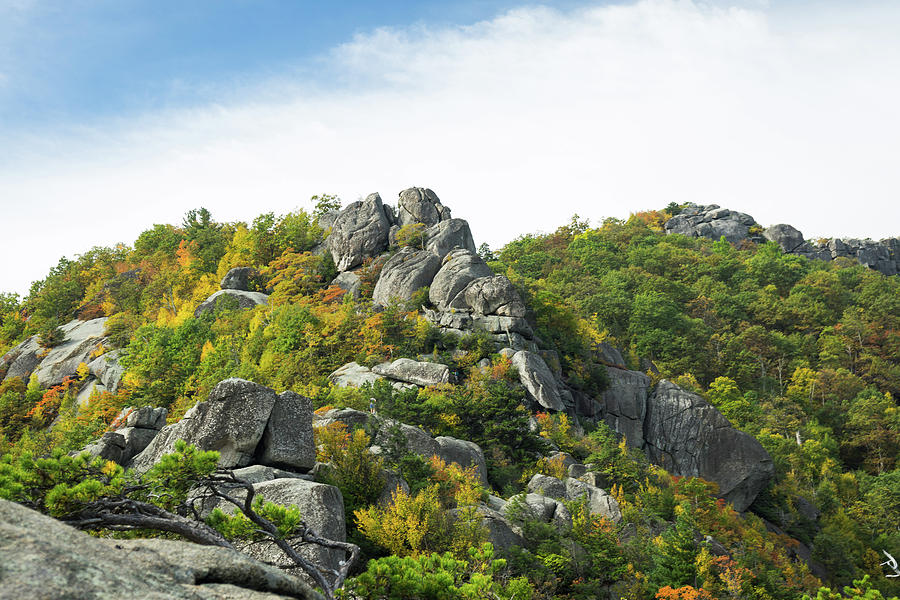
{"points": [[801, 354]]}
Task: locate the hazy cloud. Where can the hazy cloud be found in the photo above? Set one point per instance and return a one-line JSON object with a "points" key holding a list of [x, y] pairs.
{"points": [[516, 123]]}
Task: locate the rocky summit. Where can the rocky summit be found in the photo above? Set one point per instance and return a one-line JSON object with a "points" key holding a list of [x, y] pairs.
{"points": [[360, 397]]}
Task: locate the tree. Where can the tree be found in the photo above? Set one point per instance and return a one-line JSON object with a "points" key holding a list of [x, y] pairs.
{"points": [[94, 494]]}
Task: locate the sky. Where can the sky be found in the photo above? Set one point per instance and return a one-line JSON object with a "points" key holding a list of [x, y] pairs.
{"points": [[118, 114]]}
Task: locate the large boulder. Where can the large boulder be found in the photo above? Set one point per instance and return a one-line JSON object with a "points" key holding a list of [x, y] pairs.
{"points": [[360, 231], [288, 437], [421, 205], [625, 403], [238, 278], [460, 268], [464, 453], [403, 274], [449, 235], [535, 375], [82, 338], [231, 421], [351, 418], [350, 282], [540, 507], [687, 436], [108, 370], [786, 236], [321, 507], [599, 502], [414, 371], [501, 532], [492, 295], [22, 360], [353, 375], [44, 558], [416, 440], [235, 298]]}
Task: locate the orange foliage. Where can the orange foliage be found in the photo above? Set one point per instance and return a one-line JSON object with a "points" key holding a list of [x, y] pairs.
{"points": [[48, 406], [683, 593]]}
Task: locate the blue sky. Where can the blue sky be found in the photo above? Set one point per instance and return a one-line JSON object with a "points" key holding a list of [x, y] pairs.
{"points": [[73, 60], [115, 115]]}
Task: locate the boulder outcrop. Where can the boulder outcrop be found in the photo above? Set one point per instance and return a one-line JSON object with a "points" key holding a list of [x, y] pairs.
{"points": [[712, 222], [43, 558], [359, 231], [599, 502], [686, 435], [232, 298], [349, 282], [22, 360], [353, 374], [403, 274]]}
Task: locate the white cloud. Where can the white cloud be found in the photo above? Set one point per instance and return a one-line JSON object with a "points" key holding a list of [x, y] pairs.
{"points": [[516, 123]]}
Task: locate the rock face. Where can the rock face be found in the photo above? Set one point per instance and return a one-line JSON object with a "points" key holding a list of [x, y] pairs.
{"points": [[415, 372], [82, 338], [453, 234], [360, 231], [712, 222], [625, 404], [687, 436], [22, 360], [231, 421], [43, 558], [288, 437], [243, 299], [460, 268], [681, 432], [535, 375], [403, 274], [238, 278], [420, 205]]}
